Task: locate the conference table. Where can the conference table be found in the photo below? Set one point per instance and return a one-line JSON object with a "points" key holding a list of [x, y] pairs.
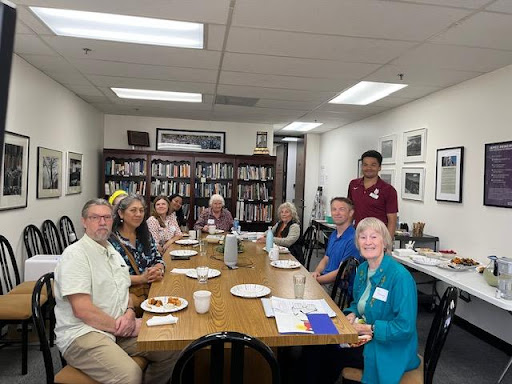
{"points": [[229, 312]]}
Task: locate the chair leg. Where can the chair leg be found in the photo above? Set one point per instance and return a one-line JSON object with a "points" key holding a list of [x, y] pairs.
{"points": [[24, 347]]}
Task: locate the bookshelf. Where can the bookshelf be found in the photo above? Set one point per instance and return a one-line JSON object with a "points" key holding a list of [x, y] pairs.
{"points": [[245, 182]]}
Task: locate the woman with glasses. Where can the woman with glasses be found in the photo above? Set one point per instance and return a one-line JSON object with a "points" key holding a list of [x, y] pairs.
{"points": [[163, 222], [132, 239]]}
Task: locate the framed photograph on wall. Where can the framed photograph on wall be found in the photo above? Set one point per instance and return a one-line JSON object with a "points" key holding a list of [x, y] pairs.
{"points": [[138, 138], [359, 168], [49, 173], [413, 183], [415, 145], [14, 172], [74, 173], [498, 174], [388, 175], [387, 148], [190, 141], [449, 167]]}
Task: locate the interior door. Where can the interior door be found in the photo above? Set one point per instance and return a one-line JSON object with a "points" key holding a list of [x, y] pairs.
{"points": [[300, 173], [280, 182]]}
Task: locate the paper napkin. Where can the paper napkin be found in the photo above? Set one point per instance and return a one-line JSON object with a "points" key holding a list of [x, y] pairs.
{"points": [[161, 320], [182, 271]]}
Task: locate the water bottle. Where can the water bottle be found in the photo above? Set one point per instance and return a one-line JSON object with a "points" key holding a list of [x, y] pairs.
{"points": [[236, 224], [270, 240]]}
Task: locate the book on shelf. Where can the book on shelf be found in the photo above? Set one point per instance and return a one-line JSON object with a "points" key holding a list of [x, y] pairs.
{"points": [[170, 170], [257, 191], [138, 187], [214, 170], [170, 187], [207, 190], [116, 167], [255, 172], [247, 211]]}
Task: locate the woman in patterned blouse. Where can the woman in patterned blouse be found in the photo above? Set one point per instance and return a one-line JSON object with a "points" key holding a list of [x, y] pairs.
{"points": [[163, 222], [219, 215]]}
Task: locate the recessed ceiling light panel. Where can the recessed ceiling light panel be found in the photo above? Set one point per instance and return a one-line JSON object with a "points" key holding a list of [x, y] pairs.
{"points": [[366, 92], [146, 94], [128, 29], [301, 126], [290, 139]]}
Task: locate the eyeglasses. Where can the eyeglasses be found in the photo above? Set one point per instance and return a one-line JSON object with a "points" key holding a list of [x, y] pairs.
{"points": [[97, 218]]}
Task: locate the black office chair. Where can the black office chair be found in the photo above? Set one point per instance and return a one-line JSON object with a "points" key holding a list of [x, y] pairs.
{"points": [[217, 342], [34, 241], [439, 329], [52, 238], [67, 231], [341, 291], [309, 243]]}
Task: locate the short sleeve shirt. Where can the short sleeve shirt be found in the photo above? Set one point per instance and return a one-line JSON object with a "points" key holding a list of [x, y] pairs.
{"points": [[341, 248], [87, 267], [377, 201], [163, 234]]}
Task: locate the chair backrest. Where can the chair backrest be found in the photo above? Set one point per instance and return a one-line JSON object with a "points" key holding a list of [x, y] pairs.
{"points": [[39, 321], [52, 238], [439, 331], [67, 231], [217, 341], [34, 242], [342, 289], [9, 273], [308, 245]]}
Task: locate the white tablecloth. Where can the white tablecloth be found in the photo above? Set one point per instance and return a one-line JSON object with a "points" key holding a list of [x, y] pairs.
{"points": [[38, 265]]}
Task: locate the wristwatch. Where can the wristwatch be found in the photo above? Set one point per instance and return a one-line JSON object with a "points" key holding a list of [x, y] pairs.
{"points": [[373, 328], [132, 308]]}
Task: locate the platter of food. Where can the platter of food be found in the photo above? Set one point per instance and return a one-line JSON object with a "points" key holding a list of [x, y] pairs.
{"points": [[164, 304], [458, 264], [424, 260]]}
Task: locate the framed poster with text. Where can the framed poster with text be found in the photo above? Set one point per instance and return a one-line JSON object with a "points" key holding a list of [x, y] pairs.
{"points": [[498, 174]]}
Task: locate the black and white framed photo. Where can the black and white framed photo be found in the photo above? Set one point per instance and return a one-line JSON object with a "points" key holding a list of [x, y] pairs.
{"points": [[387, 148], [413, 183], [74, 173], [498, 174], [14, 172], [49, 173], [449, 167], [388, 175], [415, 145], [191, 141], [261, 139]]}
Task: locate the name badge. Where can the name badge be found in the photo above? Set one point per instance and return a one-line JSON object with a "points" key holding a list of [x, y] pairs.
{"points": [[211, 221], [374, 196], [381, 294]]}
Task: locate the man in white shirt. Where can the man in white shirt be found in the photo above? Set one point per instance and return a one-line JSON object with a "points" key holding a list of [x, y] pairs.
{"points": [[96, 325]]}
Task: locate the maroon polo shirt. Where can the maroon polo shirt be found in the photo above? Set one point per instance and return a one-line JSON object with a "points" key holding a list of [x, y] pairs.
{"points": [[376, 201]]}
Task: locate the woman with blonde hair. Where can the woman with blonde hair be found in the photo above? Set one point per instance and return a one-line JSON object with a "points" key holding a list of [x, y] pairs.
{"points": [[163, 222]]}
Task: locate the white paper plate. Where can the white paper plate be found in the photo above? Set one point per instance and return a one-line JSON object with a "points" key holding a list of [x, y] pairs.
{"points": [[285, 264], [425, 260], [165, 308], [250, 290], [211, 273], [183, 252], [456, 267], [281, 249], [186, 242]]}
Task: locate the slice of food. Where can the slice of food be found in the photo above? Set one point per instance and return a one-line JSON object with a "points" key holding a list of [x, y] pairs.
{"points": [[174, 301]]}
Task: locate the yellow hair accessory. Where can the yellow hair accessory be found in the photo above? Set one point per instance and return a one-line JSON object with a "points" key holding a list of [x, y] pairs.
{"points": [[117, 193]]}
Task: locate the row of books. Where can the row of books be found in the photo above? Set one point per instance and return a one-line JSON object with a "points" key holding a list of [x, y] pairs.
{"points": [[207, 190], [255, 172], [253, 212], [198, 210], [215, 170], [166, 187], [125, 167], [138, 187], [170, 170], [258, 191]]}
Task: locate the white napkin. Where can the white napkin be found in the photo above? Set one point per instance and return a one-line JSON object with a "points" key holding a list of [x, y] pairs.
{"points": [[183, 271], [162, 320]]}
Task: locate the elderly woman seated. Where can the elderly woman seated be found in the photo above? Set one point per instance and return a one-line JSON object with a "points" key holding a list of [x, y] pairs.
{"points": [[287, 230], [216, 214]]}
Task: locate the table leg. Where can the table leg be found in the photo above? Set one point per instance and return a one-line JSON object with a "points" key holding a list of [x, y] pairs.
{"points": [[508, 365]]}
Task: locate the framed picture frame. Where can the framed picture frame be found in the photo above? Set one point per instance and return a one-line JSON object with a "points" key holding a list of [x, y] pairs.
{"points": [[387, 148], [415, 145], [413, 183], [498, 174], [49, 173], [74, 173], [261, 139], [449, 171], [388, 175], [138, 138], [190, 141], [360, 168], [14, 172]]}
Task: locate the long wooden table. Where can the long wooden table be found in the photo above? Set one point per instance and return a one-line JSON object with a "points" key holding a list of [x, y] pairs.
{"points": [[231, 313]]}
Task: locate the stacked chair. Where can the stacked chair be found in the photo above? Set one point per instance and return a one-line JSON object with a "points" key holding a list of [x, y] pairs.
{"points": [[52, 238], [34, 241], [67, 231], [341, 292]]}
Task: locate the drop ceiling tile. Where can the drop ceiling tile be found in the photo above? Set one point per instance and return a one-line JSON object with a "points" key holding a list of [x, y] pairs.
{"points": [[349, 110], [66, 78], [392, 102], [84, 90], [284, 104], [22, 28], [49, 63], [501, 6], [95, 99], [363, 18], [470, 4], [485, 29], [302, 45], [252, 111], [273, 93], [416, 91], [32, 45], [296, 66]]}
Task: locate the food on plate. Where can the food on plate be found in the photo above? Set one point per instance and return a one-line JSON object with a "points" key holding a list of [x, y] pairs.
{"points": [[174, 301], [155, 302], [448, 251], [424, 250], [465, 261], [171, 302]]}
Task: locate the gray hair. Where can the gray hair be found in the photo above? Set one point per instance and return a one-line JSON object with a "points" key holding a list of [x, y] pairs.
{"points": [[379, 227], [291, 207], [216, 197], [90, 203]]}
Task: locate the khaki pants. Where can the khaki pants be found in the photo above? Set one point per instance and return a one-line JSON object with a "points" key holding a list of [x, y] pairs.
{"points": [[107, 361]]}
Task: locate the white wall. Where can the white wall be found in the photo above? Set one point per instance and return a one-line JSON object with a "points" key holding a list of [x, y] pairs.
{"points": [[54, 118], [470, 114], [311, 178], [240, 137], [291, 173]]}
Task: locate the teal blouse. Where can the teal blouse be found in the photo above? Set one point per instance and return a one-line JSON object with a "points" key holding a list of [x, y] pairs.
{"points": [[393, 349]]}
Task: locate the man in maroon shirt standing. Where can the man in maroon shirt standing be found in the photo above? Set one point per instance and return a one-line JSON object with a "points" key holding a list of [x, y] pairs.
{"points": [[372, 196]]}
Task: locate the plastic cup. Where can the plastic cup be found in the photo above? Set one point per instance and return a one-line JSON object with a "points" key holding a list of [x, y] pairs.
{"points": [[202, 301], [299, 284], [192, 234], [202, 248], [211, 229], [202, 274]]}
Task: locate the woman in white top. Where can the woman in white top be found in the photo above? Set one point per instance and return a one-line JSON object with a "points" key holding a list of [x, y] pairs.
{"points": [[163, 222]]}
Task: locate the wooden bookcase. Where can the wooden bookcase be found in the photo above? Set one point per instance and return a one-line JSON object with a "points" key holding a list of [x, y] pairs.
{"points": [[245, 182]]}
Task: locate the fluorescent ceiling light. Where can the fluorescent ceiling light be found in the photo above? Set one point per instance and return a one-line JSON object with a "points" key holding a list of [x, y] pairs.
{"points": [[301, 126], [366, 92], [290, 139], [146, 94], [129, 29]]}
